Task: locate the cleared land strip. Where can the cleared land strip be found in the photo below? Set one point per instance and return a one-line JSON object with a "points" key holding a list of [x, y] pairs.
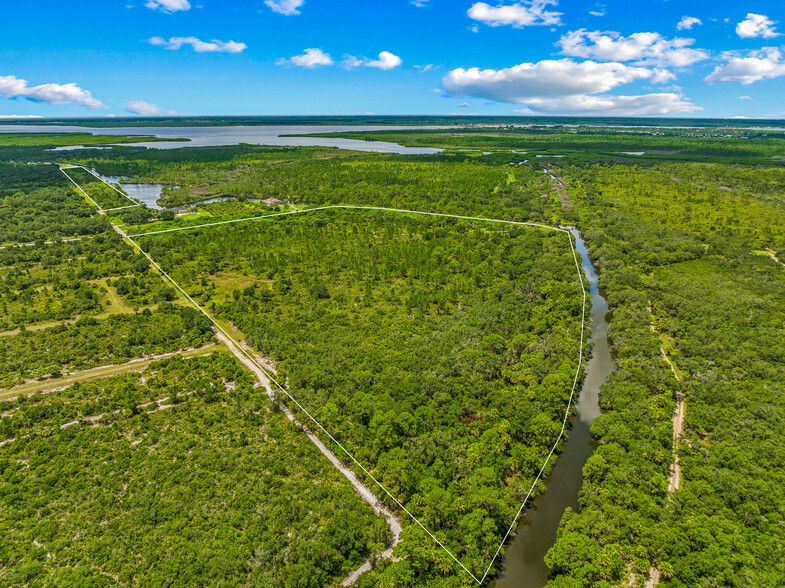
{"points": [[674, 473], [55, 242], [95, 420], [773, 255], [99, 372], [367, 495]]}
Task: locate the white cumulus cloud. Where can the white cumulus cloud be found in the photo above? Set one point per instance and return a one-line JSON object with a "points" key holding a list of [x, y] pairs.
{"points": [[139, 107], [385, 61], [213, 46], [549, 78], [687, 22], [567, 86], [168, 5], [643, 105], [310, 59], [287, 7], [756, 25], [13, 87], [764, 64], [643, 48], [521, 14]]}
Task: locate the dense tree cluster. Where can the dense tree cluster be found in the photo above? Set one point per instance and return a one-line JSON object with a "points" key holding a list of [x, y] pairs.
{"points": [[731, 146], [441, 353], [718, 304], [177, 475], [455, 184], [37, 205], [101, 193]]}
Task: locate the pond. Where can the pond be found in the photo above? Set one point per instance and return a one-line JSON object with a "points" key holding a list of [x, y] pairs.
{"points": [[147, 193]]}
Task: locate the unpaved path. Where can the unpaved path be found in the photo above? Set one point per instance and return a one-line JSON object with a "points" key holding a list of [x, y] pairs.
{"points": [[99, 372], [674, 473], [362, 489], [33, 244], [97, 418], [652, 579], [244, 355], [561, 189], [773, 255], [674, 476]]}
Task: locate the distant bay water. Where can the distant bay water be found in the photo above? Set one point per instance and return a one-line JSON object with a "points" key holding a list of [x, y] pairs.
{"points": [[235, 135]]}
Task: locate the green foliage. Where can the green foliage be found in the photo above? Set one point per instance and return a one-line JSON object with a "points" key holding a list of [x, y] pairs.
{"points": [[690, 144], [678, 238], [65, 280], [437, 351], [101, 193], [17, 177], [89, 342], [107, 483], [456, 184], [22, 139], [36, 205], [441, 353]]}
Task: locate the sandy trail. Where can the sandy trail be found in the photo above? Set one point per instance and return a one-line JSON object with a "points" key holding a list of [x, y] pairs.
{"points": [[245, 355], [674, 473], [104, 371], [773, 255], [362, 489]]}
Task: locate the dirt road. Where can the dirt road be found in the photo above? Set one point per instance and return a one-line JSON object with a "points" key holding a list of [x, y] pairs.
{"points": [[362, 489], [99, 372], [674, 473]]}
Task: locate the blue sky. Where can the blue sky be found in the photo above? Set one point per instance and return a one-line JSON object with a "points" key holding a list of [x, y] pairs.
{"points": [[265, 57]]}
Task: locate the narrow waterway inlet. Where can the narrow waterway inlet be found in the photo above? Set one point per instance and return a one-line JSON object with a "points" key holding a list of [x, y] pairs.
{"points": [[523, 565]]}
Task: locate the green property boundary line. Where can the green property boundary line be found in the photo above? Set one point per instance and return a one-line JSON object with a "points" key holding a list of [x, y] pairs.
{"points": [[317, 423], [102, 210]]}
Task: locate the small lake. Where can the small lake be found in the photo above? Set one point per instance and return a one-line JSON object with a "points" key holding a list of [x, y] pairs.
{"points": [[524, 565], [147, 193], [253, 135]]}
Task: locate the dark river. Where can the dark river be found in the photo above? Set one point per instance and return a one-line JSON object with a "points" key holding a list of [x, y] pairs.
{"points": [[523, 565]]}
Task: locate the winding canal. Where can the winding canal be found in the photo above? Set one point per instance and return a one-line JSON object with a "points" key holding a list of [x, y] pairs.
{"points": [[524, 565]]}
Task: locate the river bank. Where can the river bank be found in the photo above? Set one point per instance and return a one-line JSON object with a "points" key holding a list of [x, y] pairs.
{"points": [[524, 565]]}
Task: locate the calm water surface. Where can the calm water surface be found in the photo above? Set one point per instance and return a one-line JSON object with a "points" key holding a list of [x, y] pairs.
{"points": [[147, 193], [523, 565], [219, 136]]}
